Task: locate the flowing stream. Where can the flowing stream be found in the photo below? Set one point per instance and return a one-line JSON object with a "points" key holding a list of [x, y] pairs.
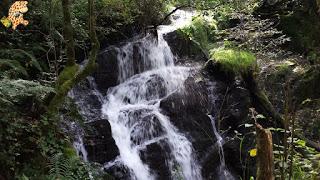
{"points": [[133, 107]]}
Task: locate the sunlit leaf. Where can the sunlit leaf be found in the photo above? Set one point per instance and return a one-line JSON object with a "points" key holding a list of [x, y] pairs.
{"points": [[6, 22], [253, 152]]}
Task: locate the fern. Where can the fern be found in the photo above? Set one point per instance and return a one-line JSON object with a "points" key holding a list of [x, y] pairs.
{"points": [[68, 168], [60, 167], [7, 64], [20, 55], [33, 61]]}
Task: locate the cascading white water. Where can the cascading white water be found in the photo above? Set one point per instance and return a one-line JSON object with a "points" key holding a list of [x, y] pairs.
{"points": [[223, 171], [79, 146], [132, 107]]}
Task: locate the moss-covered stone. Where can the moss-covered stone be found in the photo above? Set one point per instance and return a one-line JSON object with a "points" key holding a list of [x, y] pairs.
{"points": [[236, 61]]}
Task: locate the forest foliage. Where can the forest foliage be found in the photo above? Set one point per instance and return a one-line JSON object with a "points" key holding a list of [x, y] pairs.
{"points": [[33, 61]]}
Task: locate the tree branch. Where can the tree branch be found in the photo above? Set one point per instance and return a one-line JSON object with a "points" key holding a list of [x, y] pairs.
{"points": [[73, 74]]}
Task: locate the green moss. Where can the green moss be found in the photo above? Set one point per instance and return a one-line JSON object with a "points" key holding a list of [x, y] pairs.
{"points": [[236, 61], [201, 31], [67, 74], [70, 152]]}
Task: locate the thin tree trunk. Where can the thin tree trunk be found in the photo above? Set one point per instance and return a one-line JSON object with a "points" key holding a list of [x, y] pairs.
{"points": [[68, 33], [260, 101], [265, 164], [72, 79]]}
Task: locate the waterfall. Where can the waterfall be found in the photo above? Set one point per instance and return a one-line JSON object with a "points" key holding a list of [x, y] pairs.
{"points": [[79, 146], [223, 171], [146, 75], [132, 107]]}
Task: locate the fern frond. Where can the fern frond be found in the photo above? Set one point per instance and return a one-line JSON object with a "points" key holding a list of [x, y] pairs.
{"points": [[34, 62], [13, 53], [13, 64], [59, 167]]}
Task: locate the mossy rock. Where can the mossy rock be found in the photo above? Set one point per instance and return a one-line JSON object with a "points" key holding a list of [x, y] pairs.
{"points": [[308, 85], [235, 61]]}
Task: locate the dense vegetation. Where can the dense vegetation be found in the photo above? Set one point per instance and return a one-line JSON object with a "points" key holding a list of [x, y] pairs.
{"points": [[260, 42]]}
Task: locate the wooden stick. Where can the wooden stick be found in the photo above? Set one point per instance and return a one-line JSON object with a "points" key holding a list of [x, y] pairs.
{"points": [[265, 164]]}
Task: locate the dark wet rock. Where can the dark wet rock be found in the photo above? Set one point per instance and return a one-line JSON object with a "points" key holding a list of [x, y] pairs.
{"points": [[234, 107], [211, 163], [119, 172], [215, 71], [185, 49], [99, 143], [87, 101], [146, 129], [156, 156], [106, 74], [156, 87], [138, 65], [188, 111]]}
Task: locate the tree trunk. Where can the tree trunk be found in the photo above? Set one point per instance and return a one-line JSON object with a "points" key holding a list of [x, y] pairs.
{"points": [[70, 75], [265, 164], [260, 101], [68, 33]]}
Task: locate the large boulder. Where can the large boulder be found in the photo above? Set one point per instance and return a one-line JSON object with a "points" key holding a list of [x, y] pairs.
{"points": [[106, 75], [99, 143], [188, 110], [156, 156], [86, 100], [184, 49]]}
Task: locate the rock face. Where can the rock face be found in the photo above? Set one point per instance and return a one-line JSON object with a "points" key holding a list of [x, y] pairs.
{"points": [[156, 157], [189, 109], [184, 49], [97, 139], [206, 94], [87, 100], [99, 143], [106, 75]]}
